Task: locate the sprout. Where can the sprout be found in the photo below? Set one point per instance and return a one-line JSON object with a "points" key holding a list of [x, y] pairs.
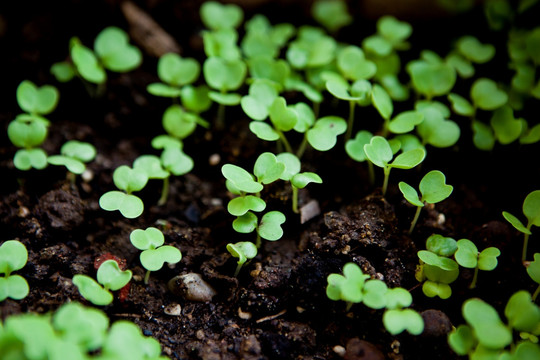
{"points": [[37, 101], [28, 135], [431, 78], [436, 130], [467, 255], [128, 180], [154, 254], [244, 251], [433, 189], [534, 272], [531, 210], [109, 277], [216, 16], [269, 227], [323, 135], [13, 257], [473, 50], [312, 48], [73, 155], [331, 14], [379, 152], [175, 72]]}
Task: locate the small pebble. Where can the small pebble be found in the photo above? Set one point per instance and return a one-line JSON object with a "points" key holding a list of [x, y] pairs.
{"points": [[191, 287], [173, 309], [339, 350], [214, 159], [244, 315]]}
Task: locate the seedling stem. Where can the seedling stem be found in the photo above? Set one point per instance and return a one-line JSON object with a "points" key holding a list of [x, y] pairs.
{"points": [[164, 192], [415, 219], [536, 293], [294, 199], [352, 105]]}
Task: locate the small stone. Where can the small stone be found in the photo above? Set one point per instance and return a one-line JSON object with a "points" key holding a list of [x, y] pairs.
{"points": [[191, 287], [244, 315], [214, 159], [357, 349], [309, 211], [436, 323], [173, 309], [339, 350]]}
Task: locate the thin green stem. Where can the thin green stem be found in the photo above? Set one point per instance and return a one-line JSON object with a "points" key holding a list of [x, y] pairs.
{"points": [[371, 173], [258, 240], [285, 142], [536, 293], [316, 108], [146, 277], [294, 199], [352, 106], [385, 182], [164, 192], [525, 245], [385, 130], [220, 121], [302, 147], [475, 278], [415, 219], [238, 267]]}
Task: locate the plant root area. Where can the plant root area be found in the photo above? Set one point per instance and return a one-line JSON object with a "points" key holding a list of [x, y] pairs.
{"points": [[276, 308]]}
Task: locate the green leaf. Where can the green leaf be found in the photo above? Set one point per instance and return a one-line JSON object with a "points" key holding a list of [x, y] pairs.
{"points": [[534, 268], [432, 289], [13, 256], [375, 294], [347, 287], [267, 168], [73, 165], [196, 99], [395, 89], [462, 340], [353, 64], [166, 141], [177, 71], [270, 226], [486, 96], [434, 188], [440, 245], [225, 99], [466, 254], [224, 75], [261, 96], [241, 178], [25, 134], [393, 30], [283, 117], [522, 313], [263, 131], [242, 250], [378, 151], [437, 131], [113, 49], [382, 101], [323, 135], [215, 15], [399, 320], [63, 71], [163, 90], [355, 147], [431, 79], [34, 100], [405, 122], [264, 68], [377, 45], [32, 158], [176, 161], [487, 260], [14, 287], [462, 66], [128, 179], [151, 165], [241, 205], [92, 291], [111, 277], [474, 50], [87, 63], [154, 259], [150, 238], [460, 105], [130, 206], [483, 137], [506, 128], [531, 207], [79, 150], [292, 165], [341, 90], [408, 159], [246, 223], [306, 117], [410, 194], [527, 351], [516, 223], [301, 180], [332, 14], [532, 45], [398, 298], [486, 324]]}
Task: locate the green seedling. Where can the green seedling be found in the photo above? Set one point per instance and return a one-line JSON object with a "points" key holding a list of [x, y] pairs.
{"points": [[268, 228], [13, 257], [216, 16], [264, 41], [129, 180], [379, 152], [37, 101], [436, 272], [73, 155], [531, 210], [436, 129], [112, 51], [469, 50], [333, 15], [323, 135], [467, 255], [355, 150], [431, 78], [391, 35], [256, 104], [277, 71], [300, 181], [28, 134], [486, 336], [154, 254], [244, 251], [534, 272], [174, 73], [222, 43], [355, 287], [312, 48], [109, 278], [433, 188]]}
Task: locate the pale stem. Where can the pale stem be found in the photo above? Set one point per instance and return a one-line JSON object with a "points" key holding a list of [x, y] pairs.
{"points": [[294, 199], [238, 267], [371, 173], [385, 182], [146, 277], [220, 123], [302, 147], [164, 192], [284, 141], [352, 105], [525, 245], [415, 219], [475, 278], [258, 240], [536, 293], [316, 108]]}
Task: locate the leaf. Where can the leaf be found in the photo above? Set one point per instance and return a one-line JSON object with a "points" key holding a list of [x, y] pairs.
{"points": [[242, 250], [63, 71], [224, 75], [466, 254], [263, 131], [431, 79], [323, 135], [408, 159], [246, 223], [405, 122], [241, 205], [462, 66], [150, 238], [378, 151], [215, 15], [283, 117], [32, 158], [486, 324], [34, 100], [397, 298], [483, 137], [410, 194], [486, 96], [341, 90], [27, 134], [196, 99], [355, 147], [241, 178], [516, 223], [111, 277], [151, 164], [474, 50], [128, 179], [92, 291], [375, 294], [87, 63], [306, 117], [292, 165], [531, 207], [13, 256], [225, 99], [487, 260], [353, 64], [166, 141], [261, 96], [506, 128], [332, 14], [270, 226], [434, 188], [522, 313], [176, 161], [267, 168], [441, 245], [301, 180], [73, 165], [382, 101], [534, 268], [462, 340], [377, 45], [399, 320], [432, 289], [129, 205], [154, 259], [113, 49], [177, 71], [460, 105], [82, 151]]}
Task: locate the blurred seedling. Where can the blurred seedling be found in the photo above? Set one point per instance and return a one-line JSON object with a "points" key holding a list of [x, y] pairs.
{"points": [[531, 210], [379, 152], [244, 251], [154, 254], [332, 14], [433, 188], [533, 269], [436, 129], [467, 255], [129, 180], [73, 155], [13, 257], [109, 278], [431, 76], [36, 102]]}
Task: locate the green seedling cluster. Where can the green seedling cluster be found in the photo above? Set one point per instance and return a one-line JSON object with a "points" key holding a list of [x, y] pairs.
{"points": [[356, 287], [154, 254], [531, 210], [433, 188], [439, 263], [244, 251], [486, 336], [109, 278], [74, 332], [73, 155], [13, 257]]}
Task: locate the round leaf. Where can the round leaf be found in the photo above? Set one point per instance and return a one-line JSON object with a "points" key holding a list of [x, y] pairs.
{"points": [[224, 75], [506, 128], [241, 178], [111, 277], [486, 96], [267, 168], [487, 260], [36, 100], [177, 71], [13, 256], [409, 159], [460, 105], [241, 205], [130, 206], [86, 63], [73, 165], [397, 321], [292, 165], [246, 223], [353, 64], [474, 50], [215, 15], [410, 194], [302, 179], [437, 131], [92, 291], [531, 207], [434, 188], [405, 122], [176, 161], [32, 158], [486, 323], [378, 151], [432, 289], [323, 135], [113, 48], [154, 259], [263, 131], [440, 245], [355, 147], [150, 238], [466, 254], [270, 226], [431, 79], [128, 179], [159, 89]]}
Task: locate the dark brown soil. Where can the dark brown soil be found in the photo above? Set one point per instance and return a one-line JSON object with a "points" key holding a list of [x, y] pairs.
{"points": [[277, 307]]}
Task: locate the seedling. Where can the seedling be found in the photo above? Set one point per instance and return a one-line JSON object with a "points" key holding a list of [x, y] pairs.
{"points": [[436, 129], [174, 72], [436, 272], [128, 180], [467, 255], [531, 210], [534, 272], [268, 228], [28, 134], [13, 257], [433, 188], [312, 48], [109, 278], [73, 155], [216, 16], [244, 251], [379, 152], [154, 254], [333, 15], [431, 77], [37, 101]]}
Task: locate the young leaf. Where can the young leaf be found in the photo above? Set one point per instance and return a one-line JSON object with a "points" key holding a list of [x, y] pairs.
{"points": [[224, 75], [405, 122], [534, 268], [215, 15], [128, 179], [355, 147], [399, 320], [323, 135], [110, 275], [261, 96], [433, 187], [150, 238], [353, 65], [130, 206], [241, 205], [92, 291], [154, 259], [435, 130], [441, 245], [382, 101], [241, 178], [506, 128], [113, 48], [301, 180], [378, 151], [87, 63], [270, 225], [283, 117], [13, 256], [462, 340], [460, 105], [486, 96], [246, 223], [332, 14], [474, 50], [267, 168], [410, 194], [34, 100], [292, 165], [409, 159], [487, 260], [531, 207], [177, 71], [176, 161], [486, 324], [431, 79], [466, 254]]}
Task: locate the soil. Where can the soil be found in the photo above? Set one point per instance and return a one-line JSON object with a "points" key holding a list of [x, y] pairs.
{"points": [[277, 307]]}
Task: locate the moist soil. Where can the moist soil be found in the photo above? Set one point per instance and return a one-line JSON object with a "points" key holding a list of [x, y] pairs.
{"points": [[277, 307]]}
